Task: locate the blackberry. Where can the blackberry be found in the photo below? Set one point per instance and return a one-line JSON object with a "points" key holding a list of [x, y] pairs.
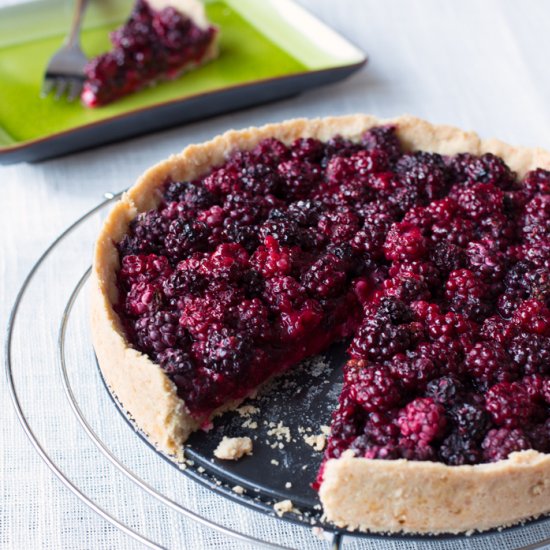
{"points": [[500, 443], [383, 139], [271, 151], [480, 200], [177, 363], [531, 353], [376, 339], [457, 450], [158, 331], [146, 235], [228, 354], [381, 429], [509, 404], [395, 310], [486, 169], [471, 420], [309, 149], [326, 277], [407, 287], [261, 179], [305, 213], [404, 242], [299, 177], [245, 235], [496, 328], [222, 181], [533, 316], [184, 280], [143, 269], [194, 195], [375, 389], [413, 371], [184, 238], [250, 317], [539, 436], [447, 257], [283, 294], [143, 298], [445, 390], [537, 181], [536, 220], [487, 363], [285, 231], [467, 294], [422, 420], [425, 172], [273, 260], [486, 263], [339, 225]]}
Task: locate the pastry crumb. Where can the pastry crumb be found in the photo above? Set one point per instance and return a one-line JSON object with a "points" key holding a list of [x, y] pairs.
{"points": [[274, 462], [233, 448], [238, 489], [280, 431], [318, 442], [252, 424], [201, 470], [288, 485], [247, 410], [325, 430], [282, 507]]}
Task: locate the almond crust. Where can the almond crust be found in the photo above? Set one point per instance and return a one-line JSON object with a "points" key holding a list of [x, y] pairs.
{"points": [[358, 493]]}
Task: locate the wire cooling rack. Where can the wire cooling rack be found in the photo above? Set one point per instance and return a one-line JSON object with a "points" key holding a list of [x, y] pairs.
{"points": [[97, 460]]}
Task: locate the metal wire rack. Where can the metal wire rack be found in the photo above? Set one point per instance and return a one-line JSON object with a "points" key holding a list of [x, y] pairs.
{"points": [[66, 326]]}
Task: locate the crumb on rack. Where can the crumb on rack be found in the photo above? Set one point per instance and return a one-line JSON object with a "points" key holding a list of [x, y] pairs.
{"points": [[233, 448], [288, 485], [238, 489], [318, 442], [275, 462], [282, 507]]}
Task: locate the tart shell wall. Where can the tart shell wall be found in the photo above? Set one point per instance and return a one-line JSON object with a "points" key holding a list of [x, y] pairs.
{"points": [[377, 495]]}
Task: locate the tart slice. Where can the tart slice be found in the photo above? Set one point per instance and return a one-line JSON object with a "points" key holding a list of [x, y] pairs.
{"points": [[426, 247], [160, 40]]}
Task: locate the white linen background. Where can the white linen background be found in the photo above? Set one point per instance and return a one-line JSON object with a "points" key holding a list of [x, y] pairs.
{"points": [[477, 65]]}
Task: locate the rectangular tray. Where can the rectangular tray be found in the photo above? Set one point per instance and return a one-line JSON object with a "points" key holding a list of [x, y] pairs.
{"points": [[269, 49]]}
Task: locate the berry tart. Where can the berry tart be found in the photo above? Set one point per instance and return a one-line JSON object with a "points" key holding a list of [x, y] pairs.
{"points": [[160, 40], [425, 247]]}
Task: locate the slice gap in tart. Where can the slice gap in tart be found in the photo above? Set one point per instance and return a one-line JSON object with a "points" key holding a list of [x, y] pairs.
{"points": [[427, 247], [161, 40]]}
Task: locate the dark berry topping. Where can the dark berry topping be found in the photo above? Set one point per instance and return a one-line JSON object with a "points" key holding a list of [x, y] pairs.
{"points": [[435, 270]]}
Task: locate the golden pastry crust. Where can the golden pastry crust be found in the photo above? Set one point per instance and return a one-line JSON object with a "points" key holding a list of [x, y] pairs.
{"points": [[431, 497], [359, 493]]}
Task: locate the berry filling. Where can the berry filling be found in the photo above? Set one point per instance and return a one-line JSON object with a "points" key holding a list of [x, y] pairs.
{"points": [[435, 267], [150, 45]]}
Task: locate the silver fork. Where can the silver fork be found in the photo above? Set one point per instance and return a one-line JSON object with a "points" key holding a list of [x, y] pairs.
{"points": [[65, 71]]}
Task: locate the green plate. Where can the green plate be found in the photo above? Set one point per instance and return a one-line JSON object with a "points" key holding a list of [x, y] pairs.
{"points": [[268, 49]]}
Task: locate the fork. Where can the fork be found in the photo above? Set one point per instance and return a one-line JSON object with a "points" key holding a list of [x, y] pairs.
{"points": [[65, 70]]}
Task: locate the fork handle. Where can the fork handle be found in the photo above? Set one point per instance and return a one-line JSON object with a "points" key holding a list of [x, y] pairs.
{"points": [[74, 34]]}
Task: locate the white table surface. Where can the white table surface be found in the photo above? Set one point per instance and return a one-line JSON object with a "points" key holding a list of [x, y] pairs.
{"points": [[477, 65]]}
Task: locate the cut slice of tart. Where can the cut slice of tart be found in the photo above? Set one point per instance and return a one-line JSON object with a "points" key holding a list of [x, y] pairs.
{"points": [[429, 248], [160, 40]]}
